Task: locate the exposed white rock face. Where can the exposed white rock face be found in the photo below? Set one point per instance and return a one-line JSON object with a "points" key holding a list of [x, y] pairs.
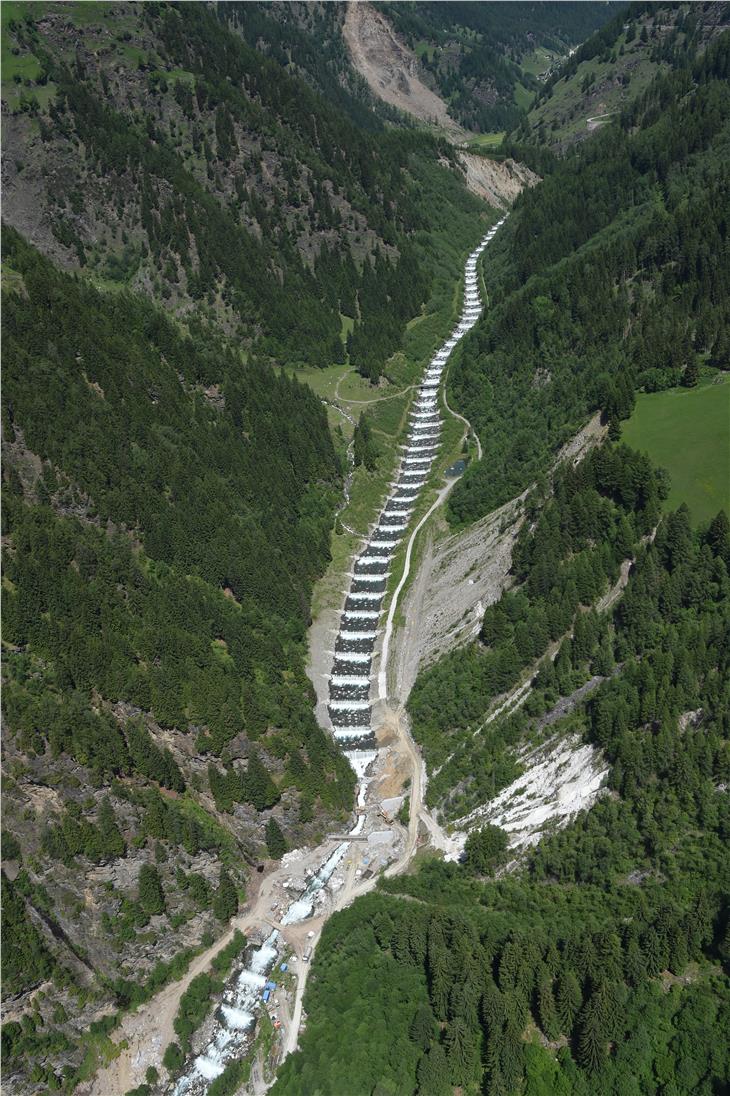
{"points": [[562, 778]]}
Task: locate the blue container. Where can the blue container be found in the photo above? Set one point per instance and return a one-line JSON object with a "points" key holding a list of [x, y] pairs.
{"points": [[267, 994]]}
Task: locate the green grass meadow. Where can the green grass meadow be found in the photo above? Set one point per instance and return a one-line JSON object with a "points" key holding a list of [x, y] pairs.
{"points": [[687, 431], [486, 140]]}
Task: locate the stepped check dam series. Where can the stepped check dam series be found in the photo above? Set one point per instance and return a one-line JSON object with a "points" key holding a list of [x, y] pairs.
{"points": [[350, 705], [352, 680], [350, 685]]}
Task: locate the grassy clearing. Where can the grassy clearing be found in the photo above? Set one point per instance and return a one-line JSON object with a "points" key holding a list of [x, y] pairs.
{"points": [[370, 489], [687, 431], [354, 389], [347, 323], [10, 280], [13, 12], [20, 65], [339, 421], [388, 416], [564, 113], [524, 97], [424, 48], [486, 140], [538, 61], [323, 382], [133, 55], [344, 384], [24, 66], [178, 74], [84, 15]]}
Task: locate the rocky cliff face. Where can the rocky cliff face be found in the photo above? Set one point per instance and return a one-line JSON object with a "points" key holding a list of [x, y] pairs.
{"points": [[497, 182], [391, 70]]}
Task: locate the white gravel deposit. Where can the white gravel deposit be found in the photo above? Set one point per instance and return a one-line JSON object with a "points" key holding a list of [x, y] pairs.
{"points": [[563, 777]]}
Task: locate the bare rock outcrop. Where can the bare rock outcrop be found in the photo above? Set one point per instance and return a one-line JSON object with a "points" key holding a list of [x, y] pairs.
{"points": [[390, 69], [461, 574], [497, 182]]}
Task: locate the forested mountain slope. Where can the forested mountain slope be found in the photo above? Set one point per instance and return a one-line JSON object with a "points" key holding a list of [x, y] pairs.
{"points": [[183, 210], [157, 712], [152, 146], [614, 66], [480, 56], [307, 39], [612, 275], [602, 965]]}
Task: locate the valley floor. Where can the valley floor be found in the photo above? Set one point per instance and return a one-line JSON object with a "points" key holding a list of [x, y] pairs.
{"points": [[559, 780]]}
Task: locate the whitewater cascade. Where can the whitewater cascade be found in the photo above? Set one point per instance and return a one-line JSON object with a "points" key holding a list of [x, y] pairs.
{"points": [[352, 678], [234, 1021]]}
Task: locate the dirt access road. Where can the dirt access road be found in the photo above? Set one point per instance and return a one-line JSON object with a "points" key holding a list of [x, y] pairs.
{"points": [[149, 1029], [145, 1033]]}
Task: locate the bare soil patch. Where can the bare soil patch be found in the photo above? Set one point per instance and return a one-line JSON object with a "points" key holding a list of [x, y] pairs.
{"points": [[391, 70]]}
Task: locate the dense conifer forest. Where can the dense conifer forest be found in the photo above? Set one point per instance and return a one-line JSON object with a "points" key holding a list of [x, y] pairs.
{"points": [[611, 276], [124, 422], [201, 201], [568, 555]]}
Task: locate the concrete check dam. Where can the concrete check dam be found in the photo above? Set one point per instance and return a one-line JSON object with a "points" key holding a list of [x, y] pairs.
{"points": [[354, 687], [353, 681]]}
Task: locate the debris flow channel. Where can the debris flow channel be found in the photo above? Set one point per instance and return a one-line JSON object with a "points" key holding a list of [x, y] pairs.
{"points": [[352, 678], [350, 685]]}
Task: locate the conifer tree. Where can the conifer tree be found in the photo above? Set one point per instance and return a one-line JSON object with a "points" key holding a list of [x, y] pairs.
{"points": [[547, 1010], [256, 784], [365, 450], [423, 1027], [275, 840], [691, 374], [225, 900], [438, 967], [432, 1073], [151, 894], [112, 842], [568, 1000], [718, 536], [485, 849], [591, 1039]]}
